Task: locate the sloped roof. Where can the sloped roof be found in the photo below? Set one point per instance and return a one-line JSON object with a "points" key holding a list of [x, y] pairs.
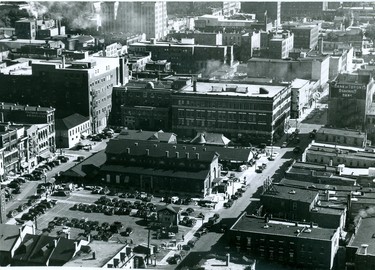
{"points": [[70, 121], [199, 175], [169, 207], [210, 139], [159, 150], [96, 160], [8, 236], [42, 249], [144, 135], [23, 252], [63, 252]]}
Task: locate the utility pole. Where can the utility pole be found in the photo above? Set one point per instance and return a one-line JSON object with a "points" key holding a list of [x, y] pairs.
{"points": [[148, 245]]}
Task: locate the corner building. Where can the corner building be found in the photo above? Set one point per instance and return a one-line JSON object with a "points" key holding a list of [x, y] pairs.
{"points": [[242, 112]]}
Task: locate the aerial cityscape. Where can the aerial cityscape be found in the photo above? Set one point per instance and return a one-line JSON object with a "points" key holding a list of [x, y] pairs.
{"points": [[187, 135]]}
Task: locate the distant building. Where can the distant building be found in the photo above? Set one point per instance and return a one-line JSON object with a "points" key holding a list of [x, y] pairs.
{"points": [[187, 58], [70, 129], [350, 97], [280, 45], [202, 38], [297, 245], [263, 10], [160, 167], [135, 17], [314, 68], [293, 10], [305, 37], [302, 97]]}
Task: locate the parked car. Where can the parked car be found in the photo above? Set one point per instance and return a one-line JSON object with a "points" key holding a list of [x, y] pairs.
{"points": [[128, 231]]}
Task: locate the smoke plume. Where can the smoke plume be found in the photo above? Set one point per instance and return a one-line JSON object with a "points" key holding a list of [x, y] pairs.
{"points": [[364, 213], [75, 15]]}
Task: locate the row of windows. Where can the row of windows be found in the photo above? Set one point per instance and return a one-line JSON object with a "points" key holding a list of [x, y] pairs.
{"points": [[240, 105], [79, 129]]}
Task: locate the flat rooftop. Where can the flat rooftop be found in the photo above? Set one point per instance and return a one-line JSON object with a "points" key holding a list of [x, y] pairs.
{"points": [[253, 224], [293, 194], [234, 89], [342, 132], [104, 252], [365, 235]]}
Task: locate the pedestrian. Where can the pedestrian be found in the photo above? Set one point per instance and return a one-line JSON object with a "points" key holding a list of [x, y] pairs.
{"points": [[183, 237]]}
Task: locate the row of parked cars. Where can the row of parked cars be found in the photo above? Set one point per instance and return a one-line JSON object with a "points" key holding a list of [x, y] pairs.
{"points": [[103, 231], [34, 211]]}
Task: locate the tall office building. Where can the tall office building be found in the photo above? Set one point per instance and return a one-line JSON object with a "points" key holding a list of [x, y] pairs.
{"points": [[350, 97], [135, 17]]}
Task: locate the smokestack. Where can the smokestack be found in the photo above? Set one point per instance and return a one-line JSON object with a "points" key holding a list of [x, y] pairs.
{"points": [[93, 255], [364, 249], [321, 43], [194, 85], [59, 26]]}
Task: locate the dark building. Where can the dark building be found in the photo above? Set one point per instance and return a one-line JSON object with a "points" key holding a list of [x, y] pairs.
{"points": [[26, 28], [350, 97], [262, 10], [242, 112], [305, 37], [296, 245], [82, 86], [292, 10], [142, 105], [287, 203], [160, 168], [187, 59]]}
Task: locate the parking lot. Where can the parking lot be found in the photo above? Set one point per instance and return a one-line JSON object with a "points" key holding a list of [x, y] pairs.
{"points": [[139, 226]]}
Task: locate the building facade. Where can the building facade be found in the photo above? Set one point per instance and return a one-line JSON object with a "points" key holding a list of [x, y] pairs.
{"points": [[242, 112], [350, 97], [69, 130], [305, 37], [293, 244], [136, 17], [161, 168]]}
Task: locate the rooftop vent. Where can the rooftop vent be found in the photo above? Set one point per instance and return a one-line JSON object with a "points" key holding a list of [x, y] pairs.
{"points": [[292, 191]]}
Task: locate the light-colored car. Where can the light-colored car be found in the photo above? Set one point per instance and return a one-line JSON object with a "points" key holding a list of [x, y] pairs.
{"points": [[285, 144], [174, 199]]}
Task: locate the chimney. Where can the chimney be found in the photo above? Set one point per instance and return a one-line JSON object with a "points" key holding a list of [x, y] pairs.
{"points": [[59, 26], [63, 61], [122, 256], [75, 245], [197, 155], [228, 259], [167, 154], [194, 85], [147, 152], [93, 255], [327, 195], [177, 155], [187, 155], [116, 262], [364, 249], [311, 225], [55, 242]]}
